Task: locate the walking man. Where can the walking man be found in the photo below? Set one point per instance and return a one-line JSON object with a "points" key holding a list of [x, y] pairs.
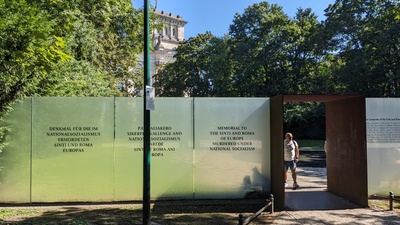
{"points": [[291, 157]]}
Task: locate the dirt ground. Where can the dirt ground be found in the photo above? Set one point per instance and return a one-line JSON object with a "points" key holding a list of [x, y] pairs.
{"points": [[163, 212]]}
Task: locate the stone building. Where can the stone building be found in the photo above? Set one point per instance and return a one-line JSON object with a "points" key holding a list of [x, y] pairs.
{"points": [[173, 32], [165, 41]]}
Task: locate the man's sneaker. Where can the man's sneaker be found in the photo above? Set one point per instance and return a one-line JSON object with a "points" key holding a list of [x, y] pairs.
{"points": [[295, 186], [286, 184]]}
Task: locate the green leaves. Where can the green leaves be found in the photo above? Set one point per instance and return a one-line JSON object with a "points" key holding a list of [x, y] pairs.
{"points": [[56, 51], [366, 36], [355, 50], [266, 53], [38, 38], [66, 48], [202, 68], [25, 56], [273, 53]]}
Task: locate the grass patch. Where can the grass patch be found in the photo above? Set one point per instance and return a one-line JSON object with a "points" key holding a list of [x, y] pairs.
{"points": [[383, 204], [311, 145], [164, 212], [12, 212]]}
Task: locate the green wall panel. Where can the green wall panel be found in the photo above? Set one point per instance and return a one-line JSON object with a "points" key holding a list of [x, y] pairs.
{"points": [[72, 149], [171, 149], [232, 147], [128, 149], [90, 149], [15, 159]]}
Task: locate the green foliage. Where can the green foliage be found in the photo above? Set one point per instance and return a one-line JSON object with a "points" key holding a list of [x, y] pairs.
{"points": [[75, 79], [3, 132], [8, 212], [305, 119], [274, 54], [354, 51], [256, 40], [106, 33], [266, 53], [28, 49], [201, 68], [66, 48], [366, 35]]}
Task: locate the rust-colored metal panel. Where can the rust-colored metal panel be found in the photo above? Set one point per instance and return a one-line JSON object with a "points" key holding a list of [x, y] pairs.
{"points": [[346, 146], [277, 183], [315, 98]]}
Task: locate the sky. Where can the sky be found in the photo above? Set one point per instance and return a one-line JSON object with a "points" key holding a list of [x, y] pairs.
{"points": [[217, 15]]}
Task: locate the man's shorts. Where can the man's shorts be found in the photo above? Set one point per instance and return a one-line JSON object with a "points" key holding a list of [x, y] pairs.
{"points": [[289, 164]]}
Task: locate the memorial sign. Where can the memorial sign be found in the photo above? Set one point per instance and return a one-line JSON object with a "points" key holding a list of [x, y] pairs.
{"points": [[232, 147], [91, 149], [171, 145], [72, 149], [383, 145]]}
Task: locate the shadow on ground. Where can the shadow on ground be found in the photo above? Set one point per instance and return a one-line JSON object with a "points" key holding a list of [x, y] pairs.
{"points": [[162, 212], [312, 159]]}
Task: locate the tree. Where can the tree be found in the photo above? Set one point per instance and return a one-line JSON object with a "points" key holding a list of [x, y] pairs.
{"points": [[106, 33], [66, 48], [254, 41], [272, 53], [305, 119], [101, 37], [366, 37], [266, 53], [202, 68], [28, 49]]}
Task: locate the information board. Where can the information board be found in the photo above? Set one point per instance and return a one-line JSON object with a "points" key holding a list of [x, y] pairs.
{"points": [[383, 145]]}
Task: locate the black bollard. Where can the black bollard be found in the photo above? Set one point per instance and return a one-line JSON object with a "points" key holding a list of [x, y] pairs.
{"points": [[240, 219], [391, 198]]}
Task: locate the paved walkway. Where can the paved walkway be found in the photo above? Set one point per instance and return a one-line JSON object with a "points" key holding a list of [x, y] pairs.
{"points": [[312, 204]]}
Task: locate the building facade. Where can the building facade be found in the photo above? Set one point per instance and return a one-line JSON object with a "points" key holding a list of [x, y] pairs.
{"points": [[165, 41]]}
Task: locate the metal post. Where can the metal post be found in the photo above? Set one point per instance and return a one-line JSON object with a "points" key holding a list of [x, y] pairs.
{"points": [[241, 219], [146, 119], [271, 199], [391, 199]]}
